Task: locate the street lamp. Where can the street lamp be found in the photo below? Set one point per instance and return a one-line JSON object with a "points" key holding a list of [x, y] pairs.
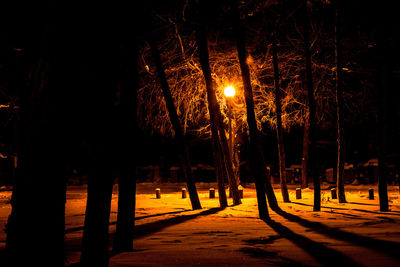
{"points": [[229, 94]]}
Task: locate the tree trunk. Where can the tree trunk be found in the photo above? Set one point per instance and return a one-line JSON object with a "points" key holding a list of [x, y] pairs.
{"points": [[40, 174], [258, 165], [184, 153], [304, 159], [101, 88], [128, 128], [339, 110], [313, 167], [382, 87], [279, 129], [216, 122]]}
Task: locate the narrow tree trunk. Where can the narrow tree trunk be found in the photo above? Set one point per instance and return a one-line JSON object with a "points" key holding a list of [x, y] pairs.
{"points": [[128, 128], [339, 110], [382, 87], [256, 157], [184, 153], [304, 159], [279, 129], [215, 113], [313, 168]]}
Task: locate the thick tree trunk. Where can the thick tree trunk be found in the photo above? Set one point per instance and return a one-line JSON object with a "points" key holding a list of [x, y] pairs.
{"points": [[339, 110], [313, 167], [184, 153], [128, 128], [40, 174], [257, 162], [279, 129], [382, 87], [304, 159]]}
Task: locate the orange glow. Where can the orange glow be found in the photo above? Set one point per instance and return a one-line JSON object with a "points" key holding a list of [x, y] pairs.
{"points": [[229, 91]]}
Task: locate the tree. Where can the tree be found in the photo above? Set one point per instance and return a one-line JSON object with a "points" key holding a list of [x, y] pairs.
{"points": [[128, 128], [312, 165], [279, 130], [187, 167], [40, 181], [339, 108]]}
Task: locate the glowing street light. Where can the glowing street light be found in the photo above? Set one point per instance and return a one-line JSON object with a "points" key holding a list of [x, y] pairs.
{"points": [[229, 91]]}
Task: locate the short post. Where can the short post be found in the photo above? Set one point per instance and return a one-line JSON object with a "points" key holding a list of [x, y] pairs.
{"points": [[158, 193], [183, 192], [212, 193], [371, 193], [240, 189], [333, 193], [298, 193]]}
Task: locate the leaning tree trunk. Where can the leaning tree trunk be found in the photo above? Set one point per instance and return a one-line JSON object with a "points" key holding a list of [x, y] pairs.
{"points": [[279, 129], [124, 233], [382, 88], [256, 157], [339, 110], [304, 159], [40, 180], [215, 114], [184, 153], [313, 167]]}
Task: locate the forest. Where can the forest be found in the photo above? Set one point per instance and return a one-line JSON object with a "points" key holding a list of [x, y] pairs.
{"points": [[253, 101]]}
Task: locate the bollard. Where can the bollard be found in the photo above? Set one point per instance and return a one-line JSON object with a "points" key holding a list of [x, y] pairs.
{"points": [[298, 193], [183, 192], [333, 193], [212, 193], [240, 189], [158, 193], [371, 193]]}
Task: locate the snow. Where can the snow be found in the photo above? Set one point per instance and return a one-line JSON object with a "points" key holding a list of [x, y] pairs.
{"points": [[169, 233]]}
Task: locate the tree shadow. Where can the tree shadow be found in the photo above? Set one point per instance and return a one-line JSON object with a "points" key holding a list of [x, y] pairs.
{"points": [[78, 228], [324, 255], [386, 247], [360, 210], [366, 204]]}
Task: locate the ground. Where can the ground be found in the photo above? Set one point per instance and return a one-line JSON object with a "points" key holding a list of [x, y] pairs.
{"points": [[169, 233]]}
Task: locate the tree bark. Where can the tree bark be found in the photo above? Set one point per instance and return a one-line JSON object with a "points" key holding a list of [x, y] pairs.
{"points": [[304, 159], [128, 129], [279, 129], [40, 174], [256, 156], [313, 167], [339, 109], [184, 153], [382, 87]]}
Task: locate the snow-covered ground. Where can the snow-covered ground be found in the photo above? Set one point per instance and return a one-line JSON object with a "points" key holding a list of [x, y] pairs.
{"points": [[169, 233]]}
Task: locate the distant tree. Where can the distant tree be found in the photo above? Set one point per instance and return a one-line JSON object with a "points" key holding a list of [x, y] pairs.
{"points": [[279, 130], [312, 165], [339, 107]]}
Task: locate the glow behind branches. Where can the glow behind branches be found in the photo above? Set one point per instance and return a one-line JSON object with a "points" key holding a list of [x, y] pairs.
{"points": [[229, 91]]}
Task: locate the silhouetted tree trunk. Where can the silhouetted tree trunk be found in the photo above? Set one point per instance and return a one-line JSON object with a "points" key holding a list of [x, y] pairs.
{"points": [[102, 88], [214, 110], [40, 181], [382, 87], [313, 168], [279, 130], [304, 159], [339, 109], [256, 155], [184, 153], [128, 130]]}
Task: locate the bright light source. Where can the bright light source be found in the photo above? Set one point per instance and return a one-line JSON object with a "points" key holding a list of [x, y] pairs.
{"points": [[229, 91]]}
